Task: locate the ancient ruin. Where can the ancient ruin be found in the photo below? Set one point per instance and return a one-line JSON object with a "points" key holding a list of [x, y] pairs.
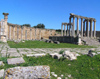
{"points": [[87, 28], [10, 31]]}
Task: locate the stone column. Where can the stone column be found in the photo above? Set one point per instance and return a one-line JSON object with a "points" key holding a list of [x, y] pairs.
{"points": [[81, 27], [94, 28], [62, 30], [5, 24], [10, 32], [65, 30], [91, 25], [35, 33], [77, 25], [30, 34], [88, 28], [73, 28], [40, 34], [17, 32], [26, 35], [13, 32], [21, 33]]}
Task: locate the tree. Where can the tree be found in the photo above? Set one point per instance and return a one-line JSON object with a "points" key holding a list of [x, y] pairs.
{"points": [[28, 25], [39, 26]]}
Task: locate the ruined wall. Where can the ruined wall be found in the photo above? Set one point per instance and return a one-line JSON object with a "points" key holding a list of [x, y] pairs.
{"points": [[17, 32]]}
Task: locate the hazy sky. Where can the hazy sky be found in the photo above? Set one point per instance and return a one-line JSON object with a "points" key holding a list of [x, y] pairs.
{"points": [[49, 12]]}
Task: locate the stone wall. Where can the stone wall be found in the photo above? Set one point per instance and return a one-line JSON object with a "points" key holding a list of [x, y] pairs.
{"points": [[17, 32]]}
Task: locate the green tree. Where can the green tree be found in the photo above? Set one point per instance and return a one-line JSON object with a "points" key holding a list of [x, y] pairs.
{"points": [[28, 25], [39, 26]]}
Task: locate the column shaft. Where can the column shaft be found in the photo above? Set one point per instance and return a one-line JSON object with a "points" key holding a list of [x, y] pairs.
{"points": [[10, 32], [64, 30], [73, 28], [91, 25], [77, 25], [94, 28], [21, 33], [13, 32], [67, 31], [70, 26], [87, 28], [81, 27], [61, 30]]}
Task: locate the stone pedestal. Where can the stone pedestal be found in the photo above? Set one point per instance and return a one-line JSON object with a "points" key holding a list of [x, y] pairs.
{"points": [[79, 40]]}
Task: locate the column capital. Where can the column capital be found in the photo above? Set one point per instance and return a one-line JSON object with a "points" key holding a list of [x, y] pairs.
{"points": [[5, 15]]}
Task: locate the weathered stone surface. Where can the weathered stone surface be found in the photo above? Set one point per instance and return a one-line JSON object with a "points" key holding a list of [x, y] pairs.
{"points": [[31, 72], [37, 55], [69, 55], [15, 60], [56, 42], [1, 73]]}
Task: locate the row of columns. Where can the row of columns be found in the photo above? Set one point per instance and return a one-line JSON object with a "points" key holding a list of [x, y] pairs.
{"points": [[68, 29], [85, 30], [35, 35]]}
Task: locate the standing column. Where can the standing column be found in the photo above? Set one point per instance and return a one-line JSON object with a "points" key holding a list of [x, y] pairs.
{"points": [[91, 25], [94, 28], [30, 34], [21, 33], [5, 24], [65, 30], [77, 25], [26, 35], [17, 32], [40, 34], [62, 30], [81, 27], [88, 28], [10, 32], [73, 28], [13, 32]]}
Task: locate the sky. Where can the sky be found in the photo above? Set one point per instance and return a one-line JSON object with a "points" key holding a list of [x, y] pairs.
{"points": [[51, 13]]}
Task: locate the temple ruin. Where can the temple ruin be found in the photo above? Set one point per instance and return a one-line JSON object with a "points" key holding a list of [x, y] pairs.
{"points": [[87, 27]]}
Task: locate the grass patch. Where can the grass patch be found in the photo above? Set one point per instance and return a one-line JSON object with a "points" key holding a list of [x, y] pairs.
{"points": [[84, 67], [42, 44]]}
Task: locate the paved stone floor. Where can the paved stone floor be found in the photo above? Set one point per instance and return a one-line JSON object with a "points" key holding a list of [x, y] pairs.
{"points": [[5, 50]]}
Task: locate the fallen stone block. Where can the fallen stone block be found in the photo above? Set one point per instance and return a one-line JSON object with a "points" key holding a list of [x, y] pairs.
{"points": [[15, 60], [30, 72], [37, 55], [2, 73]]}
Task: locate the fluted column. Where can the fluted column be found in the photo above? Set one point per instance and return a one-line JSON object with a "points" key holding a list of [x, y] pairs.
{"points": [[73, 28], [65, 30], [77, 25], [62, 30], [81, 27], [84, 28], [95, 28], [91, 25], [13, 32], [26, 35]]}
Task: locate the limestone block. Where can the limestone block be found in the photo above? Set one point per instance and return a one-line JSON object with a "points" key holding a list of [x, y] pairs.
{"points": [[70, 55], [15, 60], [1, 63], [1, 73], [30, 72]]}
